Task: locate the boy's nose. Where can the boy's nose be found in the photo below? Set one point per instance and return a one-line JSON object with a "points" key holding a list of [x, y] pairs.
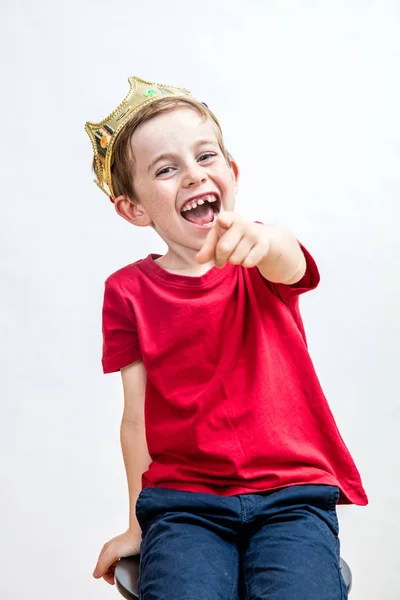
{"points": [[194, 176]]}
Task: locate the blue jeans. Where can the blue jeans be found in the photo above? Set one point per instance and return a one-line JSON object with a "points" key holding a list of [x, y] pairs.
{"points": [[279, 545]]}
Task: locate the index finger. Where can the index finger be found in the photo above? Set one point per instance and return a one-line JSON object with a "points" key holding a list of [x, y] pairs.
{"points": [[207, 251], [222, 224]]}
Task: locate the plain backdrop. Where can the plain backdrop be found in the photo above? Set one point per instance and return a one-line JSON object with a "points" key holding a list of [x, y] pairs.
{"points": [[308, 95]]}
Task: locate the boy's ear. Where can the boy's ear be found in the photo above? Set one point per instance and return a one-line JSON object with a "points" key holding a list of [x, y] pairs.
{"points": [[235, 171], [133, 213]]}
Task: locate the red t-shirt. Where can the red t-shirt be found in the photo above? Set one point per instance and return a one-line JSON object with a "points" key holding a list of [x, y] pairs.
{"points": [[233, 404]]}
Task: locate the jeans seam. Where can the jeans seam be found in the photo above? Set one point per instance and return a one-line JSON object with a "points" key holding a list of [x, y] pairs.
{"points": [[235, 579], [243, 514], [334, 498], [343, 587], [245, 584], [138, 507], [333, 505]]}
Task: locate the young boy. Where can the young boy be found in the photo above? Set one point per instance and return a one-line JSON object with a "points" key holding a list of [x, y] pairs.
{"points": [[233, 459]]}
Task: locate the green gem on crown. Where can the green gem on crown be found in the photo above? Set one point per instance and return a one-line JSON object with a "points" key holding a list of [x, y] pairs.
{"points": [[150, 93]]}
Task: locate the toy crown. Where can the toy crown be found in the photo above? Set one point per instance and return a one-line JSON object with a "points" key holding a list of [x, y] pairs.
{"points": [[104, 134]]}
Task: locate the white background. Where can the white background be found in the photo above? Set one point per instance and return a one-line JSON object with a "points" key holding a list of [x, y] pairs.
{"points": [[308, 94]]}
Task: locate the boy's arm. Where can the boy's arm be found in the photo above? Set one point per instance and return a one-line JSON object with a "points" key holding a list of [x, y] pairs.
{"points": [[133, 435], [284, 261], [137, 461]]}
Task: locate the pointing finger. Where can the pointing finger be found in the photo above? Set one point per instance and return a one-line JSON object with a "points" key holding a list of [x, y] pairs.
{"points": [[222, 224], [227, 244], [226, 218], [207, 251]]}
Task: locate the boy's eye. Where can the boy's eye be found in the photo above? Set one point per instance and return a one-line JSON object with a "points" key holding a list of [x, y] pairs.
{"points": [[163, 171], [206, 156]]}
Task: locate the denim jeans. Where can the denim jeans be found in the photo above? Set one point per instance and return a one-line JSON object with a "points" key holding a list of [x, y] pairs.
{"points": [[279, 545]]}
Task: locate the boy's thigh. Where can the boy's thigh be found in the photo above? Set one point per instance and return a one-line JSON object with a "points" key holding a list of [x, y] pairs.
{"points": [[295, 555], [185, 556]]}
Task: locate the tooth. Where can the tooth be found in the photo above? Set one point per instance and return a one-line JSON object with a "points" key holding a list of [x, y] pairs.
{"points": [[200, 202], [194, 205]]}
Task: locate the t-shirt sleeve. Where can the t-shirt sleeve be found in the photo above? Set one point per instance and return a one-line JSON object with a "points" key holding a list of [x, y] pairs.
{"points": [[120, 338], [309, 281]]}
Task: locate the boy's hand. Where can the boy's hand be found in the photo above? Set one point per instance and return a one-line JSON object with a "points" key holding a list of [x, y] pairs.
{"points": [[234, 239], [126, 544]]}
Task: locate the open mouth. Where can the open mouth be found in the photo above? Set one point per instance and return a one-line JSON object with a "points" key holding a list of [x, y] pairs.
{"points": [[202, 210]]}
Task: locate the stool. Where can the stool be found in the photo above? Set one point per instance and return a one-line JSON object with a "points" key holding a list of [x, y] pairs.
{"points": [[127, 575]]}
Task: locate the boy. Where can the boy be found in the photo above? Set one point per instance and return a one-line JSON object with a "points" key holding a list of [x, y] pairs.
{"points": [[233, 459]]}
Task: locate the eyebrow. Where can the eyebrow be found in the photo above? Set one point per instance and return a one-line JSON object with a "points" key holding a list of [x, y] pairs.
{"points": [[158, 158], [169, 155]]}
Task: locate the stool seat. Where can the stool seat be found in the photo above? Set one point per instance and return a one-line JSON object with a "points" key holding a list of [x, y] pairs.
{"points": [[127, 575]]}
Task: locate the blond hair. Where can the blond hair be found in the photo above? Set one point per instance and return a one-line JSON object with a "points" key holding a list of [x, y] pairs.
{"points": [[122, 158]]}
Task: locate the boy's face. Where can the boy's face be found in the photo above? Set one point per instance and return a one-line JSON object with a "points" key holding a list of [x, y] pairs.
{"points": [[178, 163]]}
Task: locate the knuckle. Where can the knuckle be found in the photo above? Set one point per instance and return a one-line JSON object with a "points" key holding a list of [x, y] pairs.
{"points": [[253, 238], [248, 262], [234, 260], [224, 247]]}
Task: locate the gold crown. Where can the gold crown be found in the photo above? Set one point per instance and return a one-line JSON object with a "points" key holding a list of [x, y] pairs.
{"points": [[104, 134]]}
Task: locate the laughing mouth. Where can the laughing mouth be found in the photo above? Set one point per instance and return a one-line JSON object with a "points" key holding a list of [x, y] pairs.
{"points": [[201, 210]]}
